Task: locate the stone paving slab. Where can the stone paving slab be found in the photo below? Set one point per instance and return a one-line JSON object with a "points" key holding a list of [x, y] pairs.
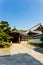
{"points": [[3, 64], [21, 55], [20, 59]]}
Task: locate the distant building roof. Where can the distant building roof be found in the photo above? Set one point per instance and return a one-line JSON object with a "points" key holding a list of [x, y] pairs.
{"points": [[38, 32], [14, 30], [35, 29]]}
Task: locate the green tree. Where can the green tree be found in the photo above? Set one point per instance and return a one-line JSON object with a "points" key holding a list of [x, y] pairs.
{"points": [[5, 26], [4, 29], [23, 31]]}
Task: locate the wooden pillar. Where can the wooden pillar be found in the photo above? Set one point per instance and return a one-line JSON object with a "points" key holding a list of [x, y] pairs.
{"points": [[19, 39]]}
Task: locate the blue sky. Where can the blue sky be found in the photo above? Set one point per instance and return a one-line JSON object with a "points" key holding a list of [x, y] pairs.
{"points": [[23, 14]]}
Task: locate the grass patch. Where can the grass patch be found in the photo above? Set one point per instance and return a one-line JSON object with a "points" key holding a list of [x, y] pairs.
{"points": [[29, 44], [36, 44]]}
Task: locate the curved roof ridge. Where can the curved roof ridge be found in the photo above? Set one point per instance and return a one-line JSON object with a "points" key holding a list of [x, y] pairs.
{"points": [[34, 27]]}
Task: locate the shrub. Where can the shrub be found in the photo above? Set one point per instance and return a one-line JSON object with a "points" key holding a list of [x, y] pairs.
{"points": [[4, 44]]}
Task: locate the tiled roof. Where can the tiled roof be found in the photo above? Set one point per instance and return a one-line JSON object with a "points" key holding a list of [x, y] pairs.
{"points": [[34, 28]]}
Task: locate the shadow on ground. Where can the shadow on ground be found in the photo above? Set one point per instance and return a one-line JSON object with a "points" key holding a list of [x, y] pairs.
{"points": [[40, 50], [19, 59]]}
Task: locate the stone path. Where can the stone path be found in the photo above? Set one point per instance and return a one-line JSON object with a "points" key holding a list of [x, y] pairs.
{"points": [[5, 51], [21, 55]]}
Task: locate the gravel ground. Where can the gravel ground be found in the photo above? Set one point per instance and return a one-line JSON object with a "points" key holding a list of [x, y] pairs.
{"points": [[18, 54]]}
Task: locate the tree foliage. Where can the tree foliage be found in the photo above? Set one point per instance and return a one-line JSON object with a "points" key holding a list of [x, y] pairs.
{"points": [[4, 28], [22, 31]]}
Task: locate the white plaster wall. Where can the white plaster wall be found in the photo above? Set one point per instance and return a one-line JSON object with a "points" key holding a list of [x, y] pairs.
{"points": [[34, 40]]}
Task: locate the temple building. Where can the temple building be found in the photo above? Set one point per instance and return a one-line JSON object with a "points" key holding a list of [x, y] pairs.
{"points": [[34, 31], [17, 36]]}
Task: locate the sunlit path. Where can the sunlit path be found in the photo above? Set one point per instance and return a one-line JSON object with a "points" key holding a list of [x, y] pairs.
{"points": [[21, 55]]}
